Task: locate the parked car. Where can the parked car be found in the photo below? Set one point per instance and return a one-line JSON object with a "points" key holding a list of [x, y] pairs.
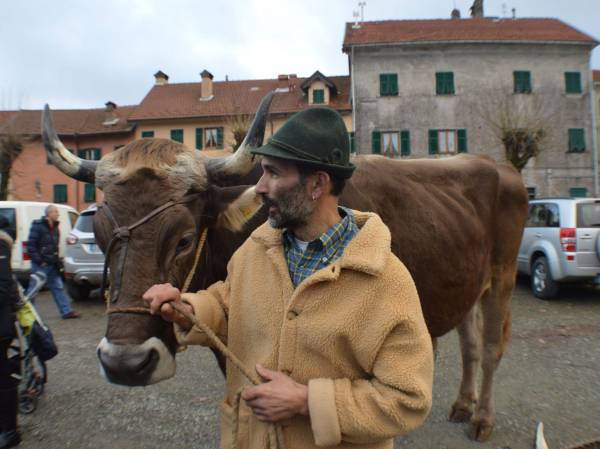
{"points": [[83, 259], [561, 244], [20, 215]]}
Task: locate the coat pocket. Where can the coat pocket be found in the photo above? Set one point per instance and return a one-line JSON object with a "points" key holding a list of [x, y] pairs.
{"points": [[226, 425]]}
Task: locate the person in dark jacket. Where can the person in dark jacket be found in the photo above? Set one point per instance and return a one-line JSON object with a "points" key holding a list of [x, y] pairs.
{"points": [[42, 247], [9, 366]]}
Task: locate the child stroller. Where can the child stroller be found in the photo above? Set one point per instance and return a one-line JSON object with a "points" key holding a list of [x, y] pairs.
{"points": [[33, 374]]}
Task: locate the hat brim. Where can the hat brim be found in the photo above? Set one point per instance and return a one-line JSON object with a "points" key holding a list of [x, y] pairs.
{"points": [[280, 153]]}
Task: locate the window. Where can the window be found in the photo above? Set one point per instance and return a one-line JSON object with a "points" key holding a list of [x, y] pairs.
{"points": [[531, 192], [89, 193], [318, 96], [177, 135], [351, 137], [573, 82], [198, 138], [444, 83], [447, 141], [577, 192], [10, 214], [147, 134], [390, 144], [213, 138], [522, 82], [91, 154], [60, 193], [543, 216], [388, 84], [576, 140], [588, 215]]}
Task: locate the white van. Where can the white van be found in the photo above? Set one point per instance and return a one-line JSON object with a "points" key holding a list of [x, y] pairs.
{"points": [[20, 215]]}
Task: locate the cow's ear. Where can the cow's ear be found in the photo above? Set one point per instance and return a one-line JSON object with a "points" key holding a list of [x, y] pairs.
{"points": [[234, 206]]}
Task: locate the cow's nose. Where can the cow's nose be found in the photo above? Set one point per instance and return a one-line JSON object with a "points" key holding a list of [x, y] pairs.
{"points": [[132, 368]]}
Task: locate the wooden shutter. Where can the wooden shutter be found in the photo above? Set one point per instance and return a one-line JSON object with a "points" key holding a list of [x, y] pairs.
{"points": [[220, 138], [439, 83], [147, 134], [89, 193], [376, 142], [383, 84], [573, 82], [433, 141], [404, 143], [576, 140], [462, 140], [96, 154], [177, 135], [60, 193], [393, 84], [198, 138]]}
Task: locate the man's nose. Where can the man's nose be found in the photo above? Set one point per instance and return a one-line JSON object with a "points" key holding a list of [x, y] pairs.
{"points": [[261, 185]]}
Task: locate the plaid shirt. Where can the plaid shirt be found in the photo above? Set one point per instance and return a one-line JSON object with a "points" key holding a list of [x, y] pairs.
{"points": [[320, 252]]}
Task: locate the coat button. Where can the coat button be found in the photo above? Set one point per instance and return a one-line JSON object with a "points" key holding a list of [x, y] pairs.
{"points": [[292, 314]]}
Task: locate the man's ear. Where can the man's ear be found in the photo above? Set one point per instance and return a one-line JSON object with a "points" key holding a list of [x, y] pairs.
{"points": [[233, 207]]}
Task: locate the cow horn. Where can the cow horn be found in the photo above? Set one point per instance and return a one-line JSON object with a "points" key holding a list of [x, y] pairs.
{"points": [[540, 441], [71, 165], [241, 162]]}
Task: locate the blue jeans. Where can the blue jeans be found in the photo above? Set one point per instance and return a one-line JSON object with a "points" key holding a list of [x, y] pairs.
{"points": [[56, 286]]}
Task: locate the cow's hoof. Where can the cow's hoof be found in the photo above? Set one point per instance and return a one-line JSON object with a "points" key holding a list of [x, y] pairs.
{"points": [[480, 431], [460, 413]]}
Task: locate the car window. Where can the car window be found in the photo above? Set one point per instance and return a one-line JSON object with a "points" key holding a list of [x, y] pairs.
{"points": [[85, 223], [553, 216], [73, 218], [543, 215], [10, 214], [588, 215]]}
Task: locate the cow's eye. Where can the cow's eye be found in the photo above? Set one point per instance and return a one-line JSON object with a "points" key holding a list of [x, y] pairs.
{"points": [[183, 244]]}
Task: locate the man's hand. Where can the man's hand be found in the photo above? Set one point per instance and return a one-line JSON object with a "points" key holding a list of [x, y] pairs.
{"points": [[158, 297], [277, 399]]}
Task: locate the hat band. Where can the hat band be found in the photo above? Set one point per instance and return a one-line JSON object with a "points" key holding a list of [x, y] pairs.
{"points": [[295, 151]]}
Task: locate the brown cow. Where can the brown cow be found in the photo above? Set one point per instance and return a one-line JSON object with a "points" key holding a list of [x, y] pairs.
{"points": [[456, 223]]}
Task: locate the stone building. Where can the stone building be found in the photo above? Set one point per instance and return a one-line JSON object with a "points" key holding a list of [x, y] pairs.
{"points": [[431, 88]]}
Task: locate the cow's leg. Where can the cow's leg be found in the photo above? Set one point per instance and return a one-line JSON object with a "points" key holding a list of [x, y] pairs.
{"points": [[470, 348], [495, 310]]}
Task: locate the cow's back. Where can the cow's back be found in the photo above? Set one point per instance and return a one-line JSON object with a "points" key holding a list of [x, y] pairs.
{"points": [[443, 216]]}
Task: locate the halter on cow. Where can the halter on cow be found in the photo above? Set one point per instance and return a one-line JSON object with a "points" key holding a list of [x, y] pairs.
{"points": [[455, 223]]}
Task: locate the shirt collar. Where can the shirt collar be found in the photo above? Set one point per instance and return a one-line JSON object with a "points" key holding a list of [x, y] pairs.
{"points": [[329, 237]]}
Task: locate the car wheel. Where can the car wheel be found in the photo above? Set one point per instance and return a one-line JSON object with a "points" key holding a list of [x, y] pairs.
{"points": [[77, 291], [542, 284]]}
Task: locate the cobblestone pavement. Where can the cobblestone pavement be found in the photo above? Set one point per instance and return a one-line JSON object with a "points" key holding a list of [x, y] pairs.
{"points": [[551, 373]]}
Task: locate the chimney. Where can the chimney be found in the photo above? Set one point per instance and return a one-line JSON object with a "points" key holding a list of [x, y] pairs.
{"points": [[207, 85], [455, 14], [161, 78], [477, 9], [514, 13], [110, 116]]}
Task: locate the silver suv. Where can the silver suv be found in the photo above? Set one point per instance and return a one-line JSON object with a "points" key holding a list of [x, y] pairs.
{"points": [[561, 243], [83, 259]]}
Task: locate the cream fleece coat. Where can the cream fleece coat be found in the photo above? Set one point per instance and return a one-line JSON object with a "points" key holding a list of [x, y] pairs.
{"points": [[353, 332]]}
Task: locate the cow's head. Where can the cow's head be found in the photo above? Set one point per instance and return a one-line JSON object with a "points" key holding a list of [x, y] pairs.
{"points": [[139, 349]]}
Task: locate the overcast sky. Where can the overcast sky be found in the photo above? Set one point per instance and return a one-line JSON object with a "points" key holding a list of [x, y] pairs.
{"points": [[82, 53]]}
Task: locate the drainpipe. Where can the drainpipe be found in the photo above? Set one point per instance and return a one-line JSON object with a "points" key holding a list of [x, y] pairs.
{"points": [[352, 87], [594, 130]]}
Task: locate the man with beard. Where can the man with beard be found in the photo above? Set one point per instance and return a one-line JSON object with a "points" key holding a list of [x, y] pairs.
{"points": [[317, 302]]}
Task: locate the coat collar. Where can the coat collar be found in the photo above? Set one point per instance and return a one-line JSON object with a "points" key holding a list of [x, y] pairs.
{"points": [[368, 251]]}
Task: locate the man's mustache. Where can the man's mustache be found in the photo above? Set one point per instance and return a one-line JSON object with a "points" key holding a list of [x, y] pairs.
{"points": [[267, 201]]}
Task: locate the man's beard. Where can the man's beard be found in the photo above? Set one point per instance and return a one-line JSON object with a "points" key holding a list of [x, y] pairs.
{"points": [[293, 208]]}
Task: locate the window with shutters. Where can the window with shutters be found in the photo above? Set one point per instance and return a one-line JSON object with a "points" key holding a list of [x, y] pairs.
{"points": [[388, 84], [213, 138], [522, 81], [147, 134], [391, 143], [318, 96], [91, 154], [390, 146], [177, 135], [60, 193], [577, 192], [573, 82], [89, 193], [444, 83], [576, 140], [447, 141]]}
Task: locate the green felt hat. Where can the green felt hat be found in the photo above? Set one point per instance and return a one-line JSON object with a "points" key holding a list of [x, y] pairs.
{"points": [[315, 136]]}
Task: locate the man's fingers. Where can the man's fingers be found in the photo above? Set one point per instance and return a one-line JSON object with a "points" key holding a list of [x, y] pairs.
{"points": [[265, 373], [248, 394]]}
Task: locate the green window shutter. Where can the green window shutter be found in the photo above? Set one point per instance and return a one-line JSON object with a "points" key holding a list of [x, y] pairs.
{"points": [[376, 142], [444, 83], [177, 135], [576, 140], [573, 82], [449, 81], [404, 143], [220, 138], [462, 140], [393, 84], [439, 83], [433, 141], [383, 85], [318, 96], [522, 80], [60, 193], [578, 192], [96, 154], [147, 134], [388, 84], [89, 193], [198, 138], [352, 142]]}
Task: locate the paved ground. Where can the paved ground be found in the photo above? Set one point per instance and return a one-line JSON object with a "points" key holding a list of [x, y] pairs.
{"points": [[551, 373]]}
